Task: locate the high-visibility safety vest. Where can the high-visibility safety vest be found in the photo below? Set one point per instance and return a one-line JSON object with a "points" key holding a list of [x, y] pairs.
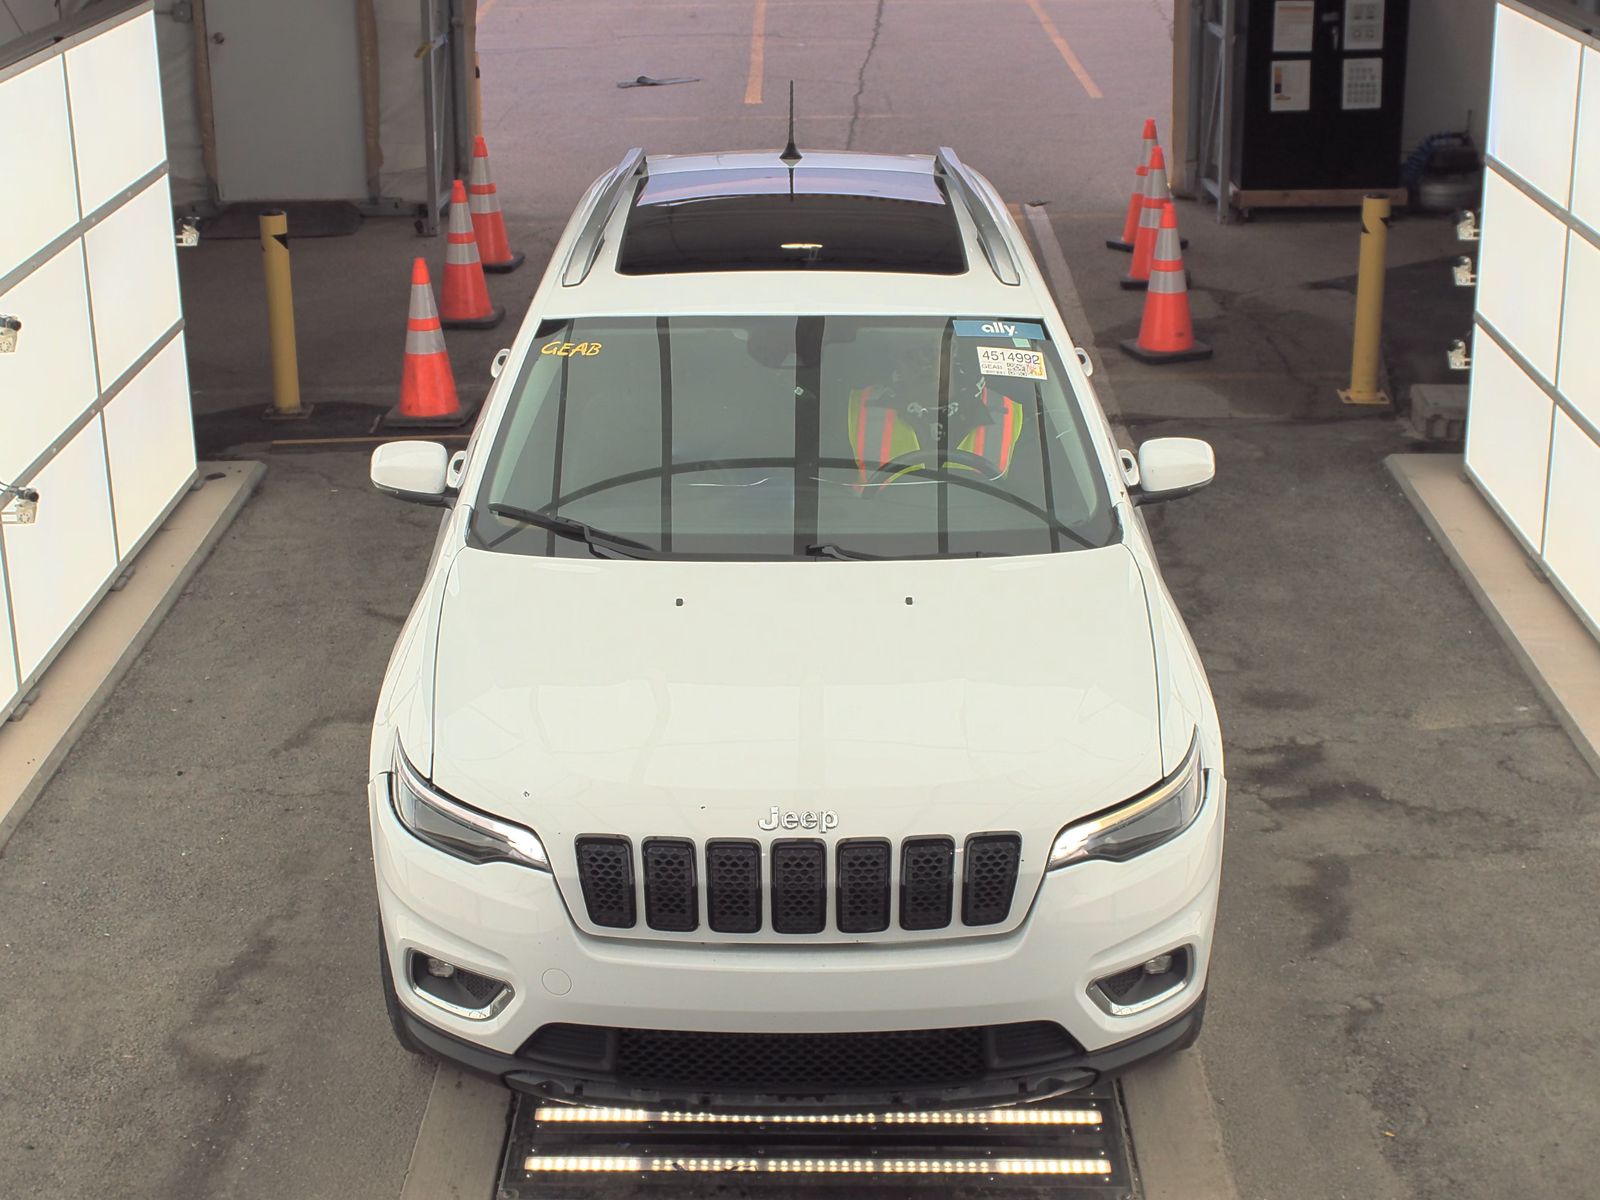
{"points": [[878, 435]]}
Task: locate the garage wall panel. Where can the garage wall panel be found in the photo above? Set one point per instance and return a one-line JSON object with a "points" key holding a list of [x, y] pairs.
{"points": [[116, 110], [133, 279], [49, 382], [150, 439], [1508, 436], [1572, 536], [1532, 101], [1586, 163], [1579, 379], [1519, 272], [8, 666], [42, 196], [59, 563]]}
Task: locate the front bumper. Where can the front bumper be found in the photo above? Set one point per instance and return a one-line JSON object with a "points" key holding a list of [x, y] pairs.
{"points": [[1086, 922], [559, 1083]]}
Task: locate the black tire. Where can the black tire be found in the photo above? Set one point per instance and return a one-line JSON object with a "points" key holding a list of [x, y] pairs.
{"points": [[391, 1004]]}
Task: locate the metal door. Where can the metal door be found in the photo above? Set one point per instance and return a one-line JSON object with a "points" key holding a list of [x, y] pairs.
{"points": [[1213, 32], [286, 96]]}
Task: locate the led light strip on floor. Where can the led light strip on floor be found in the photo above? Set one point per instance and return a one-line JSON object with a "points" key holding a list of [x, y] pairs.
{"points": [[999, 1116], [590, 1164]]}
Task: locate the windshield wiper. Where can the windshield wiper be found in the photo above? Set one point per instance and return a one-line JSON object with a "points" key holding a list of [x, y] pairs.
{"points": [[829, 550], [601, 543]]}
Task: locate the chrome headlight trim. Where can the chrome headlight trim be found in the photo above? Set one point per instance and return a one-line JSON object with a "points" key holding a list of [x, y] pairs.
{"points": [[481, 838], [1182, 792]]}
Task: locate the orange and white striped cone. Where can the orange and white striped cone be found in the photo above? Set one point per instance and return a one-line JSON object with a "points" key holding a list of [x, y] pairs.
{"points": [[1166, 334], [488, 224], [1144, 242], [427, 385], [464, 298], [1130, 227]]}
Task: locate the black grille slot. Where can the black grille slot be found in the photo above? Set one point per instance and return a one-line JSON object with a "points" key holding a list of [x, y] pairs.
{"points": [[605, 871], [926, 881], [733, 886], [799, 886], [670, 902], [863, 886], [798, 1062], [989, 877]]}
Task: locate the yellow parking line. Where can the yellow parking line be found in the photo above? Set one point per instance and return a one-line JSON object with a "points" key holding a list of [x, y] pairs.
{"points": [[758, 54], [1065, 47]]}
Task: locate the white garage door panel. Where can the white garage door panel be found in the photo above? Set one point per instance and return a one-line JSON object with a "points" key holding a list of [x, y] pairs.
{"points": [[133, 279], [116, 109], [1586, 183], [8, 669], [1508, 436], [59, 562], [49, 381], [1580, 347], [1572, 540], [1519, 273], [1532, 102], [47, 207], [151, 440]]}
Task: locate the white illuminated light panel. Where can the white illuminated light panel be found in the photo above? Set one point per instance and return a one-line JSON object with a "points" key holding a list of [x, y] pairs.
{"points": [[999, 1116], [595, 1164]]}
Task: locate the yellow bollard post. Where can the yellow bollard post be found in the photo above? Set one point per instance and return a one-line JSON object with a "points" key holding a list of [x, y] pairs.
{"points": [[286, 404], [1363, 387]]}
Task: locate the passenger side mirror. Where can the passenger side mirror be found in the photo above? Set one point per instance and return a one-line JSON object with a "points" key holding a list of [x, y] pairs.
{"points": [[411, 470], [1173, 467]]}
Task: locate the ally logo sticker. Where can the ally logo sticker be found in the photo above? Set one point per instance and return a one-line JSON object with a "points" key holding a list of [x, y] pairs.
{"points": [[1006, 329], [1004, 360]]}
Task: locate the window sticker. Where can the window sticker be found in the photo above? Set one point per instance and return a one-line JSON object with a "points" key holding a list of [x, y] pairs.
{"points": [[1363, 83], [1363, 25], [1004, 360], [572, 349], [1009, 329]]}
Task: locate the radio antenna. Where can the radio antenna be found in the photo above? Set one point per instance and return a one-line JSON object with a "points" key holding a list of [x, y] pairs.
{"points": [[790, 154]]}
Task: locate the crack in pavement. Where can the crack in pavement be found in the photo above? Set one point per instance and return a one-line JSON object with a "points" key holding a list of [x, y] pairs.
{"points": [[861, 78]]}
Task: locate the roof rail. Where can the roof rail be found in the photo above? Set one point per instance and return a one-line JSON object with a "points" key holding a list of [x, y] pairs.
{"points": [[586, 246], [990, 236]]}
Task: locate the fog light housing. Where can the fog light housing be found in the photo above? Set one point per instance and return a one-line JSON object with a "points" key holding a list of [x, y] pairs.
{"points": [[1145, 985], [458, 991]]}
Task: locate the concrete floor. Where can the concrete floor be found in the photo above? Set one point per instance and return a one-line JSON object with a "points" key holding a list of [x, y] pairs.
{"points": [[1402, 981]]}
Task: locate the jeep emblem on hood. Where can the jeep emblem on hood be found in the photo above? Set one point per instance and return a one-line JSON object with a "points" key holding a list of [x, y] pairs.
{"points": [[825, 820]]}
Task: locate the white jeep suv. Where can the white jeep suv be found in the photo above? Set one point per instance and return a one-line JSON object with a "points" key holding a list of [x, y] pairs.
{"points": [[793, 712]]}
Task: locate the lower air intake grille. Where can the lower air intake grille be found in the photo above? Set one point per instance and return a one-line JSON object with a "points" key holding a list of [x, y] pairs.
{"points": [[670, 902], [990, 878], [733, 886], [769, 1063], [863, 886], [926, 881], [799, 894], [605, 869]]}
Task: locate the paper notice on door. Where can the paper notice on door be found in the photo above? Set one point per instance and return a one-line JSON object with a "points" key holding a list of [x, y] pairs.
{"points": [[1363, 25], [1292, 26], [1363, 83], [1291, 86]]}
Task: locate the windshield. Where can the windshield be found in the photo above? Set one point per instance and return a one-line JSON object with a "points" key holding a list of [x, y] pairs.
{"points": [[793, 438]]}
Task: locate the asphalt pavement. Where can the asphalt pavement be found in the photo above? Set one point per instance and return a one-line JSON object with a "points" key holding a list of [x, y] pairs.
{"points": [[1403, 976]]}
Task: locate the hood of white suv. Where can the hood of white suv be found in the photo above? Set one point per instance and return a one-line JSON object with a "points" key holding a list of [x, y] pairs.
{"points": [[692, 699]]}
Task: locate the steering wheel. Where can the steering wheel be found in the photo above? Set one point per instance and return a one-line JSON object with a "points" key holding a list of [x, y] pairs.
{"points": [[933, 458]]}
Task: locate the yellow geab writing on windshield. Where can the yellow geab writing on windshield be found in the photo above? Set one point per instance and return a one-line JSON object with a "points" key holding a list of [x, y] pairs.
{"points": [[572, 349]]}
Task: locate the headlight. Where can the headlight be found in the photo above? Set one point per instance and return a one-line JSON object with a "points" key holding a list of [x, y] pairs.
{"points": [[451, 826], [1159, 815]]}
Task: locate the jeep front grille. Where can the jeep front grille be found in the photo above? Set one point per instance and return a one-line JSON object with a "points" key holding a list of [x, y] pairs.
{"points": [[790, 886]]}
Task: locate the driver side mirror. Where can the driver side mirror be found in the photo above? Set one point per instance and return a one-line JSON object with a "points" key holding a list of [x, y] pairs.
{"points": [[1173, 467], [413, 471]]}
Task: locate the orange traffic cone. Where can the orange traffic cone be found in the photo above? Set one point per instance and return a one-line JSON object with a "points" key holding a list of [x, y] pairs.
{"points": [[464, 299], [488, 225], [1130, 227], [1166, 334], [427, 386], [1144, 243]]}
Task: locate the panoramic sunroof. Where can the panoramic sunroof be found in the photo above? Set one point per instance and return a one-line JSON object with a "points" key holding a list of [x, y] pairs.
{"points": [[772, 219]]}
